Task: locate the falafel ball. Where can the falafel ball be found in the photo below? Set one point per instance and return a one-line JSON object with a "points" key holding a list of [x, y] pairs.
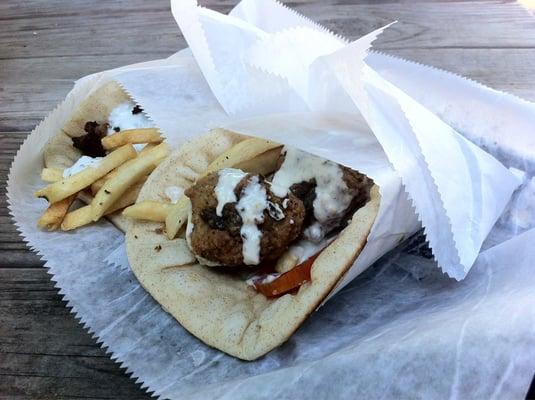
{"points": [[359, 185], [217, 239]]}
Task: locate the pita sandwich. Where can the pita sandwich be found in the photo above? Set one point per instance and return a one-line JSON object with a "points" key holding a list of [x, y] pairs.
{"points": [[65, 150], [235, 304]]}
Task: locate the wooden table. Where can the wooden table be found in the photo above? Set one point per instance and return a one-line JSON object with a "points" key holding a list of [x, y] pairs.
{"points": [[46, 45]]}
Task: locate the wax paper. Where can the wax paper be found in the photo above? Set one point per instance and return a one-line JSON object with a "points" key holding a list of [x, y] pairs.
{"points": [[439, 168], [400, 329]]}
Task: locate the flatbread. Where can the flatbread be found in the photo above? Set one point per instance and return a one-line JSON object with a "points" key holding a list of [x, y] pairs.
{"points": [[221, 309], [60, 152]]}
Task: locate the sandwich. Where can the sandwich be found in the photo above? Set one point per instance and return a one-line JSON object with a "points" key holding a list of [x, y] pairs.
{"points": [[259, 237], [102, 156]]}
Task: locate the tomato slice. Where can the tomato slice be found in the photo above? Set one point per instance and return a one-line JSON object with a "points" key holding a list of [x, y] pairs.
{"points": [[289, 281]]}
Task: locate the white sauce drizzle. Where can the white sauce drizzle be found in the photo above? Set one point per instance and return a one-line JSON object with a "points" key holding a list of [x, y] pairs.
{"points": [[332, 194], [174, 193], [304, 249], [261, 279], [251, 208], [224, 190], [314, 232], [121, 117], [275, 211], [189, 229], [82, 163]]}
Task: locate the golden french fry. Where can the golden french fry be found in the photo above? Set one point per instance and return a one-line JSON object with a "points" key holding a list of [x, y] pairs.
{"points": [[112, 190], [74, 219], [263, 164], [134, 136], [243, 151], [147, 148], [148, 210], [98, 185], [127, 199], [253, 155], [82, 215], [52, 174], [54, 214], [176, 217], [59, 190], [95, 186], [55, 174]]}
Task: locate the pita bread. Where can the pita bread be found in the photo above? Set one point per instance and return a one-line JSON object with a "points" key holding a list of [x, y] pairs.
{"points": [[221, 309], [59, 151]]}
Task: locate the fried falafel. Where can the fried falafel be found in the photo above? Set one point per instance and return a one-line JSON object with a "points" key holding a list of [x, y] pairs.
{"points": [[218, 238]]}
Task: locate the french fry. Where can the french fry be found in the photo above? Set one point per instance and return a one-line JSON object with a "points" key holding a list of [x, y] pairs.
{"points": [[112, 190], [147, 148], [56, 174], [55, 213], [52, 174], [251, 155], [243, 151], [177, 216], [133, 136], [127, 199], [82, 215], [148, 210], [95, 186], [263, 164], [59, 190], [77, 218]]}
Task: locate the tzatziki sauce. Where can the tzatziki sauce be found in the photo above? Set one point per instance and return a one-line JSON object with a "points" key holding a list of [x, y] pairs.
{"points": [[261, 279], [82, 163], [275, 211], [189, 228], [123, 118], [224, 190], [173, 193], [304, 249], [251, 206], [332, 194]]}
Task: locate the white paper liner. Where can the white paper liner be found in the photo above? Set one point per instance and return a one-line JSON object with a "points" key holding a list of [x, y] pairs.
{"points": [[465, 104], [403, 315], [225, 73], [470, 109], [439, 168]]}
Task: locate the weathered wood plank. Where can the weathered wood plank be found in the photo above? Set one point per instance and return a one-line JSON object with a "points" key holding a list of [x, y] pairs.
{"points": [[81, 41], [23, 106], [431, 25], [13, 251], [63, 360]]}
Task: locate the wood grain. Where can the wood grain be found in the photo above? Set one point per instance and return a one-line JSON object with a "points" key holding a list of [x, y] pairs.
{"points": [[46, 46]]}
